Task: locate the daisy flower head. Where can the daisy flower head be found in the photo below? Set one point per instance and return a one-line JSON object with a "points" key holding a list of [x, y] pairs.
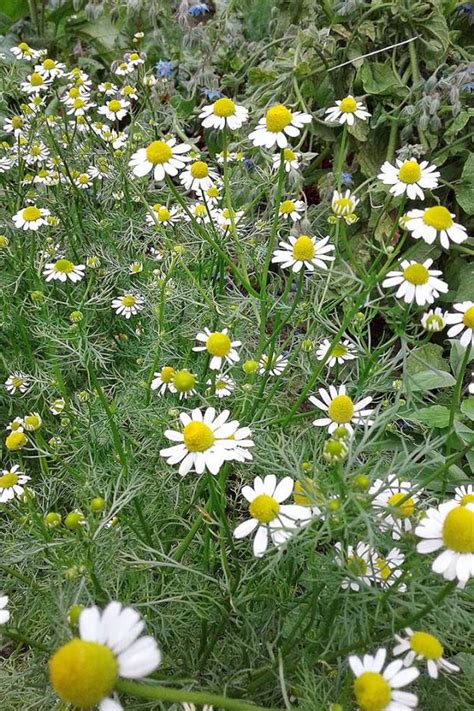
{"points": [[272, 365], [183, 382], [198, 176], [219, 346], [31, 218], [83, 671], [227, 215], [434, 320], [395, 503], [359, 561], [416, 282], [162, 379], [199, 213], [346, 111], [291, 160], [224, 113], [24, 51], [338, 354], [57, 406], [449, 527], [64, 270], [464, 494], [212, 194], [35, 83], [17, 382], [223, 385], [409, 177], [376, 689], [128, 305], [16, 125], [32, 422], [388, 569], [269, 517], [304, 252], [344, 204], [462, 323], [11, 484], [115, 109], [162, 215], [341, 409], [423, 646], [292, 209], [161, 158], [435, 222], [206, 441], [50, 69], [16, 425], [277, 124], [4, 613]]}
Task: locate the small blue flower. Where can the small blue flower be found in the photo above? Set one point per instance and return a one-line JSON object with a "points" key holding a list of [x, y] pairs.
{"points": [[211, 94], [200, 9], [164, 68], [249, 164], [346, 179]]}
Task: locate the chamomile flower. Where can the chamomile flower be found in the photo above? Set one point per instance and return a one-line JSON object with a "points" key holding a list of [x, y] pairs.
{"points": [[269, 517], [16, 425], [161, 158], [338, 354], [341, 409], [449, 527], [291, 160], [304, 252], [163, 379], [464, 494], [277, 124], [212, 194], [183, 382], [199, 213], [292, 209], [344, 204], [462, 322], [83, 671], [376, 689], [35, 84], [50, 69], [24, 51], [130, 92], [388, 569], [227, 215], [64, 270], [32, 422], [83, 181], [223, 385], [135, 267], [224, 113], [416, 282], [434, 320], [79, 107], [435, 223], [57, 407], [11, 484], [198, 176], [219, 346], [206, 441], [16, 124], [162, 215], [346, 111], [395, 502], [423, 646], [128, 305], [108, 88], [4, 613], [17, 382], [115, 109], [31, 218], [359, 562], [272, 365], [409, 177]]}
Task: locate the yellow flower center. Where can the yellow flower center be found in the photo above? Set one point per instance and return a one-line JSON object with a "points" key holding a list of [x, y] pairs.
{"points": [[30, 214], [134, 56], [383, 568], [288, 154], [73, 92], [114, 105], [341, 409], [16, 440], [32, 422], [467, 499], [404, 509], [17, 122], [49, 64], [342, 204], [426, 645], [264, 508], [64, 266], [334, 448], [277, 118], [372, 692], [410, 172], [127, 90], [213, 192], [437, 217], [303, 248], [220, 385], [287, 207], [198, 437], [200, 211], [416, 274], [223, 108], [84, 179], [83, 673], [348, 105], [338, 351], [36, 79], [158, 152], [434, 323], [458, 530], [129, 300], [8, 480], [218, 344], [199, 169], [35, 150], [184, 381], [23, 46], [167, 374], [468, 318], [356, 565]]}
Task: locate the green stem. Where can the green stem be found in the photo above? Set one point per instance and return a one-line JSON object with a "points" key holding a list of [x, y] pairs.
{"points": [[458, 386]]}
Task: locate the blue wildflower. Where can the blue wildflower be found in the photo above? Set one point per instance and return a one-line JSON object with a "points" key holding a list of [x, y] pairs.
{"points": [[164, 69], [249, 164], [200, 9], [211, 94], [346, 179]]}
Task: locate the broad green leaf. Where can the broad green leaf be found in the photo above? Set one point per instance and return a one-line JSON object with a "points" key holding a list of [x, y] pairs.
{"points": [[467, 407], [465, 189], [378, 78], [464, 432], [434, 416], [426, 369]]}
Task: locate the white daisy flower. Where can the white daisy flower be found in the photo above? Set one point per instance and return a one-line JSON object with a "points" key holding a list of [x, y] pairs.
{"points": [[341, 409], [304, 252], [57, 406], [213, 193], [35, 83], [124, 68], [451, 527], [108, 88], [36, 153], [161, 158], [128, 305], [24, 51], [219, 346], [277, 124], [387, 569], [224, 112], [31, 218], [291, 160], [84, 181], [377, 690], [268, 516], [227, 215], [292, 209], [207, 441], [162, 215], [359, 561], [462, 323], [11, 484], [129, 91], [274, 365], [183, 382], [340, 353], [346, 111], [434, 320], [79, 107], [162, 379], [4, 613], [434, 222], [83, 672], [16, 425], [464, 494], [418, 646], [343, 204], [17, 382], [50, 69], [63, 269], [198, 176], [16, 125], [395, 503], [32, 422], [199, 213], [416, 282], [115, 109], [409, 177], [223, 385]]}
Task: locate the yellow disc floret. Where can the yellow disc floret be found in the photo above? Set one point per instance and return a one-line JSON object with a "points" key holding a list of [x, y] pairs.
{"points": [[15, 441], [17, 122], [114, 105], [287, 207], [184, 381], [458, 530], [129, 300], [199, 169], [264, 508], [341, 409], [218, 344], [277, 118], [426, 645], [167, 374], [83, 673], [36, 79], [468, 317], [48, 64], [372, 692], [158, 152], [303, 248], [403, 507], [467, 499], [438, 217], [416, 274], [30, 214], [410, 172], [198, 437], [288, 154], [348, 105], [64, 266], [223, 108], [338, 351], [8, 480]]}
